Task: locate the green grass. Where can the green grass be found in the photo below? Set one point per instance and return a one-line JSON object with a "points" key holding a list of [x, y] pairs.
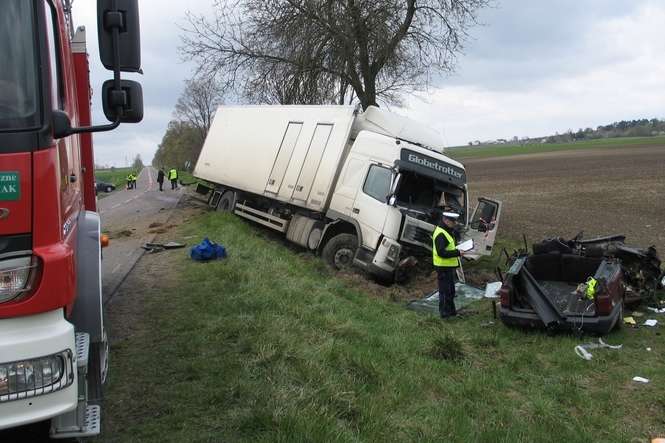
{"points": [[506, 150], [116, 176], [268, 345]]}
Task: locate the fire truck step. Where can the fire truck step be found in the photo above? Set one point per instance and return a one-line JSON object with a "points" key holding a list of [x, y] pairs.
{"points": [[92, 427], [82, 349]]}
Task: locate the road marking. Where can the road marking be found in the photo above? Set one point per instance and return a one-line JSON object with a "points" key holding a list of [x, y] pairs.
{"points": [[117, 205], [115, 269]]}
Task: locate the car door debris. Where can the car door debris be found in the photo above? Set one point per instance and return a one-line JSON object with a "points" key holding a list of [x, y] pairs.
{"points": [[583, 350]]}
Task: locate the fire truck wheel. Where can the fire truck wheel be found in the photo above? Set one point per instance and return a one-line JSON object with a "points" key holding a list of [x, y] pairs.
{"points": [[340, 251]]}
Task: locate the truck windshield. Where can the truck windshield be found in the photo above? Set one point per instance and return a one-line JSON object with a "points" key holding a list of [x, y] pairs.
{"points": [[18, 70], [422, 193]]}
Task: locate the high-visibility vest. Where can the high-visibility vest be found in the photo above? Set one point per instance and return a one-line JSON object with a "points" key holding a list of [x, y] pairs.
{"points": [[452, 262], [173, 174]]}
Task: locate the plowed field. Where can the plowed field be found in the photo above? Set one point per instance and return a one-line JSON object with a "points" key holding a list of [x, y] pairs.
{"points": [[600, 192]]}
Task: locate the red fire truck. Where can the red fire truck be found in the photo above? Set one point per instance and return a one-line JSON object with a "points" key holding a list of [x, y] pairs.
{"points": [[53, 346]]}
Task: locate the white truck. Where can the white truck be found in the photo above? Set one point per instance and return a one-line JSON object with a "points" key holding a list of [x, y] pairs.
{"points": [[357, 187]]}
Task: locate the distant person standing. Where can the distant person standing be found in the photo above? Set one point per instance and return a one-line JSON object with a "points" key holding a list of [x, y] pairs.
{"points": [[160, 178], [134, 177], [173, 176], [130, 180]]}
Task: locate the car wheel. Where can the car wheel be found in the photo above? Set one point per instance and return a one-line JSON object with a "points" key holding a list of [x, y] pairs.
{"points": [[109, 189], [340, 251]]}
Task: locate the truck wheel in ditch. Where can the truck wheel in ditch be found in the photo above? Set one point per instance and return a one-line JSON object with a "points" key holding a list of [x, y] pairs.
{"points": [[340, 250], [227, 201]]}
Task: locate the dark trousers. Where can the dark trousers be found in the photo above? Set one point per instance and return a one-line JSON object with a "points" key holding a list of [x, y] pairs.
{"points": [[446, 279], [160, 185], [174, 183]]}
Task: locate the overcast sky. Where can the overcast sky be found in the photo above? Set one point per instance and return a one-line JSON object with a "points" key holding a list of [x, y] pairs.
{"points": [[532, 68]]}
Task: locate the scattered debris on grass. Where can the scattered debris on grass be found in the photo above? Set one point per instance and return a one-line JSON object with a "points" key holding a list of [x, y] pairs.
{"points": [[650, 322], [464, 295], [208, 250], [158, 247], [155, 225], [640, 379], [629, 321], [583, 350]]}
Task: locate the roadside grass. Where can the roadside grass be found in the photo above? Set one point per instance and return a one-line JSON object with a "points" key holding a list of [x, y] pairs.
{"points": [[115, 176], [468, 152], [268, 345]]}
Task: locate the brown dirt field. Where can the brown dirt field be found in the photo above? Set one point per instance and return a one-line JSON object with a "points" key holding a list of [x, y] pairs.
{"points": [[600, 192]]}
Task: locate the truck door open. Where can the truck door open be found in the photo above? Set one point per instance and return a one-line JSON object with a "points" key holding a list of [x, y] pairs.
{"points": [[483, 227]]}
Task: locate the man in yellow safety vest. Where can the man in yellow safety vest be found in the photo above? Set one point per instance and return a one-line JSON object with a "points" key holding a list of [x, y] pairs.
{"points": [[173, 176], [446, 259]]}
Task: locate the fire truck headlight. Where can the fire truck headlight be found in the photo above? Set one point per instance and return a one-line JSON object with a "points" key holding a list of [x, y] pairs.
{"points": [[28, 378], [17, 276]]}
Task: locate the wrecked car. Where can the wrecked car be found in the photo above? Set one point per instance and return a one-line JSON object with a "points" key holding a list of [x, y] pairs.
{"points": [[577, 285]]}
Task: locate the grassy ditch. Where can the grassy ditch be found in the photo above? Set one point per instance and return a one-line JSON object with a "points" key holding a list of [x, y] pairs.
{"points": [[468, 152], [268, 345]]}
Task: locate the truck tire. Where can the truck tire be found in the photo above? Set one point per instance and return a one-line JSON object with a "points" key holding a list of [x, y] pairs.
{"points": [[340, 251], [227, 202]]}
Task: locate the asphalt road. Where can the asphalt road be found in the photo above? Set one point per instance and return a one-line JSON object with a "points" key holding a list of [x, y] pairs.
{"points": [[127, 216]]}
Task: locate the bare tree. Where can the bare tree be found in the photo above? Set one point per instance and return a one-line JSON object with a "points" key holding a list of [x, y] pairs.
{"points": [[198, 103], [378, 49]]}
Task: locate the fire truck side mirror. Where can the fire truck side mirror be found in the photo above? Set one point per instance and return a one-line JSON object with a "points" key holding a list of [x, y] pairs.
{"points": [[119, 34], [129, 100]]}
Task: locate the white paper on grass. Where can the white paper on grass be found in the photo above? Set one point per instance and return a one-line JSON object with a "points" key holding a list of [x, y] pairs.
{"points": [[641, 379], [650, 322], [492, 288], [466, 245]]}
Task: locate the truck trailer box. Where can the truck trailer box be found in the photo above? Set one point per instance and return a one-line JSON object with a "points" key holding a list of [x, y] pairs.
{"points": [[289, 153]]}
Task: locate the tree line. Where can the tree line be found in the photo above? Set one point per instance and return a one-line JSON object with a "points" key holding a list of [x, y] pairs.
{"points": [[370, 52], [625, 128]]}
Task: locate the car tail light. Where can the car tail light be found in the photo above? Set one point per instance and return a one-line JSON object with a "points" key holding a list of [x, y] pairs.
{"points": [[17, 277], [504, 295], [604, 305]]}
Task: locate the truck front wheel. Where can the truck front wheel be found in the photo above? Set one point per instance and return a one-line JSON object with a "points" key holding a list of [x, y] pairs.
{"points": [[340, 251]]}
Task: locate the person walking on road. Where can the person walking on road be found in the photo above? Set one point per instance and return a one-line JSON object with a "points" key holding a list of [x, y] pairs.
{"points": [[160, 178], [446, 260], [130, 181], [173, 176]]}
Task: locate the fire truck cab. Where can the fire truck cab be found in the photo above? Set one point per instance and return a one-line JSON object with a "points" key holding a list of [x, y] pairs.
{"points": [[53, 346]]}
